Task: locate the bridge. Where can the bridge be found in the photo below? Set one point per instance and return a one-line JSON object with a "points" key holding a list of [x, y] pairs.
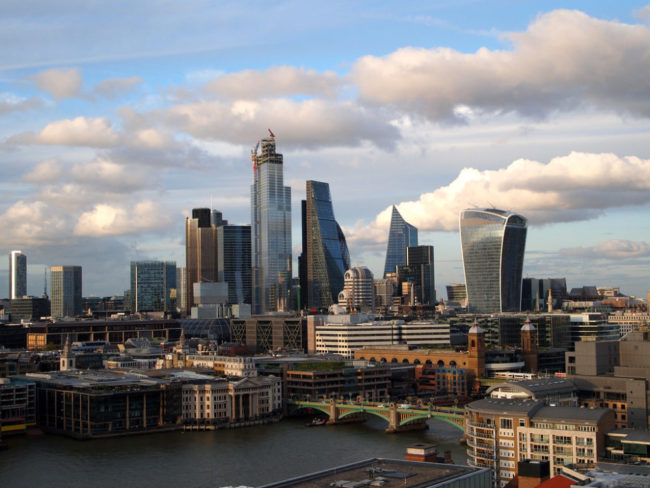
{"points": [[400, 417]]}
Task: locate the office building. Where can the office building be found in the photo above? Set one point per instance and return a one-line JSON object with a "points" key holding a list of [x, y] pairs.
{"points": [[17, 275], [493, 243], [358, 290], [535, 294], [201, 259], [181, 288], [457, 293], [29, 308], [418, 272], [262, 334], [401, 235], [325, 254], [151, 286], [65, 282], [270, 231], [234, 261]]}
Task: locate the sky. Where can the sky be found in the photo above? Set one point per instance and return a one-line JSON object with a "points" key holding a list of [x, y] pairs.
{"points": [[117, 118]]}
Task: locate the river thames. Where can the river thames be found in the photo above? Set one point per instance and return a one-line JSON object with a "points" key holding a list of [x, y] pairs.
{"points": [[248, 456]]}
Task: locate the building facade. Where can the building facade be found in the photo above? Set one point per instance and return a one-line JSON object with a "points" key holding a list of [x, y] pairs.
{"points": [[17, 275], [419, 272], [152, 283], [181, 288], [65, 282], [493, 243], [263, 334], [400, 236], [325, 255], [358, 290], [234, 261]]}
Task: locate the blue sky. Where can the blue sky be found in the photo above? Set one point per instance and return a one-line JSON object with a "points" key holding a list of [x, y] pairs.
{"points": [[117, 118]]}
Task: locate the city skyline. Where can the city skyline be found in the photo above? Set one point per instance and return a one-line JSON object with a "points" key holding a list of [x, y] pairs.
{"points": [[106, 147]]}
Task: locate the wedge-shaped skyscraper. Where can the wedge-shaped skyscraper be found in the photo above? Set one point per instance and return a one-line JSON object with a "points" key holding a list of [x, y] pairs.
{"points": [[401, 235], [325, 256], [493, 243]]}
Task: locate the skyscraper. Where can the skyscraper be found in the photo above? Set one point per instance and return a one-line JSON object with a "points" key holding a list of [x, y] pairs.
{"points": [[65, 282], [17, 275], [493, 243], [234, 261], [401, 235], [151, 285], [270, 230], [419, 269], [201, 250], [325, 255], [181, 288]]}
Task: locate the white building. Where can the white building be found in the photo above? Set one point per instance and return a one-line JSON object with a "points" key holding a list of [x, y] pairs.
{"points": [[227, 365], [358, 290]]}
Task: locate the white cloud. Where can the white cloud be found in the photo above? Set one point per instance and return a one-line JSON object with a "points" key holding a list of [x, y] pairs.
{"points": [[613, 249], [32, 223], [47, 171], [643, 13], [110, 220], [80, 131], [111, 176], [112, 88], [575, 187], [60, 83], [564, 59], [276, 81], [10, 102]]}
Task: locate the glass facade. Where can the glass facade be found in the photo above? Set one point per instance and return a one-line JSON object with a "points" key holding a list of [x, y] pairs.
{"points": [[419, 270], [325, 251], [234, 244], [65, 282], [151, 285], [270, 231], [493, 243], [401, 235], [17, 275]]}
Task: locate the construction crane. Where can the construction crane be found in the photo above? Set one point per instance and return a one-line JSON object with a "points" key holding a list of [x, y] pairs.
{"points": [[254, 156], [272, 134]]}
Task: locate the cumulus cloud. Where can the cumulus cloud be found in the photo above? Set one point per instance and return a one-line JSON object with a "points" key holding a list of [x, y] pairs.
{"points": [[643, 13], [111, 220], [111, 176], [309, 123], [575, 187], [46, 171], [80, 131], [60, 83], [112, 88], [32, 223], [564, 59], [276, 81], [10, 103], [612, 249]]}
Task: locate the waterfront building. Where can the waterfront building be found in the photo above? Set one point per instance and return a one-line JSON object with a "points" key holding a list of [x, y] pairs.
{"points": [[358, 290], [400, 236], [325, 256], [17, 405], [65, 282], [234, 262], [17, 275], [493, 243], [152, 283], [270, 231], [270, 333], [201, 259]]}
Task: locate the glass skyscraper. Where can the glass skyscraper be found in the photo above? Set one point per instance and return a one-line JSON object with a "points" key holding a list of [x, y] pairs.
{"points": [[325, 256], [17, 275], [270, 231], [493, 243], [151, 285], [234, 251], [401, 235], [65, 282]]}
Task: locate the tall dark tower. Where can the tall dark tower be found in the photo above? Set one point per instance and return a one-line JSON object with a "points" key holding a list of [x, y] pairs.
{"points": [[201, 250], [325, 256]]}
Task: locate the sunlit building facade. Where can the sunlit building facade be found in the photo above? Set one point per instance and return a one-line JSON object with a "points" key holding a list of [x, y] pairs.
{"points": [[325, 254], [270, 231], [401, 235], [17, 275], [493, 243], [66, 291]]}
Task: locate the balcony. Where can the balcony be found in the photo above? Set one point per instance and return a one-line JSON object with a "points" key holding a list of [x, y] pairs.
{"points": [[474, 443], [480, 425]]}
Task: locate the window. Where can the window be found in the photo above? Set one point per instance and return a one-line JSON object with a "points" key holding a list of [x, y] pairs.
{"points": [[506, 423]]}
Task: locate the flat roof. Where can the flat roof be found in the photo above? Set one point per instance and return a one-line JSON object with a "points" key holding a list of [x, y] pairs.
{"points": [[570, 414], [388, 473], [505, 405]]}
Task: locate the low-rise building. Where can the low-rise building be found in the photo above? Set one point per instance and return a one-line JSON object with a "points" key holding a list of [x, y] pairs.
{"points": [[224, 365], [17, 405]]}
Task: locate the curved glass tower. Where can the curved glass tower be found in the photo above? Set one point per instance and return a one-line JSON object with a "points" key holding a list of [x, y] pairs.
{"points": [[401, 235], [270, 231], [325, 251], [493, 243]]}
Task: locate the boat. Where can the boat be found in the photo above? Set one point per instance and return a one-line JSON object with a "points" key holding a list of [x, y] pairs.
{"points": [[316, 422]]}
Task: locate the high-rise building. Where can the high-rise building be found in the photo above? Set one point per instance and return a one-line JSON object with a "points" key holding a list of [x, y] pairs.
{"points": [[325, 255], [419, 270], [493, 243], [234, 261], [270, 231], [151, 285], [65, 282], [456, 292], [358, 293], [201, 250], [17, 275], [401, 235]]}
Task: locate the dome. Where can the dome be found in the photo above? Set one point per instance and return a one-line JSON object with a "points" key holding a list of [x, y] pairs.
{"points": [[528, 326], [475, 329]]}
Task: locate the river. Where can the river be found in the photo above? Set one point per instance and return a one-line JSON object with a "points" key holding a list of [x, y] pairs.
{"points": [[248, 456]]}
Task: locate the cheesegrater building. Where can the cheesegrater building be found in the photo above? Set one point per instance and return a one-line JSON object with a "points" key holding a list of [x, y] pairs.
{"points": [[270, 231], [493, 243], [325, 255]]}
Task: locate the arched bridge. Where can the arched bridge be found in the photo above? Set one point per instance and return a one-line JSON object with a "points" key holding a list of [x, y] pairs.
{"points": [[399, 416]]}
